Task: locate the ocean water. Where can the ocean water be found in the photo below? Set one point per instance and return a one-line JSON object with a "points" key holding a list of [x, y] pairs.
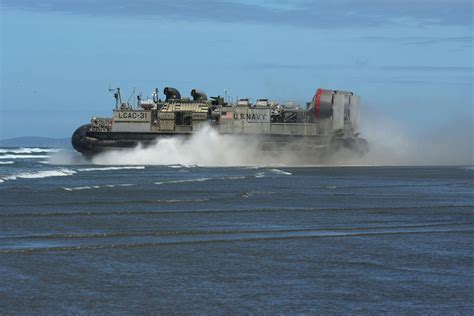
{"points": [[82, 238]]}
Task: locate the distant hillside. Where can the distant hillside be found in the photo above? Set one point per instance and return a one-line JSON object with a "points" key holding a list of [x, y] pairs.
{"points": [[35, 142]]}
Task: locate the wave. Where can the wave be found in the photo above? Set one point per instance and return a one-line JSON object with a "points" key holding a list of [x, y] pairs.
{"points": [[262, 174], [428, 208], [281, 172], [64, 172], [199, 180], [82, 188], [184, 181], [175, 238], [98, 186], [8, 156], [182, 166], [210, 231], [27, 150], [7, 162], [246, 195], [40, 174], [111, 168]]}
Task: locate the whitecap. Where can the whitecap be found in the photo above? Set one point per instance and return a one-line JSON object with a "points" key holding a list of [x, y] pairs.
{"points": [[27, 150], [200, 180], [7, 162], [246, 195], [8, 156], [78, 188], [97, 186], [111, 168], [231, 178], [183, 181], [41, 174], [278, 171]]}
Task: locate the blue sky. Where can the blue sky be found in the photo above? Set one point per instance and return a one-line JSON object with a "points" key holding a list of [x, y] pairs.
{"points": [[410, 60]]}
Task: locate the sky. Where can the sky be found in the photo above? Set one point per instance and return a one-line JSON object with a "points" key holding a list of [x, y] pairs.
{"points": [[410, 60]]}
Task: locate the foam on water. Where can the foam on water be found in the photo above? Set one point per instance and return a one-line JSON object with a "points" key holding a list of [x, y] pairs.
{"points": [[61, 172], [28, 150], [7, 162], [41, 174], [82, 188], [111, 168], [183, 181], [98, 186], [281, 172], [8, 156], [199, 180]]}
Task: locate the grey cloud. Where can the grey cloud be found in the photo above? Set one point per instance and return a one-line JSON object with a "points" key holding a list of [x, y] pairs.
{"points": [[304, 13], [277, 66], [281, 66], [451, 12], [423, 40], [429, 68], [397, 68], [405, 81]]}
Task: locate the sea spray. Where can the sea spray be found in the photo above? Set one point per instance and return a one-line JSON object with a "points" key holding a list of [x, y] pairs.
{"points": [[67, 157], [390, 143], [393, 143], [205, 148]]}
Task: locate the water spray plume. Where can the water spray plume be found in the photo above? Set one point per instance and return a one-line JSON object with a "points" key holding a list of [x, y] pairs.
{"points": [[390, 144]]}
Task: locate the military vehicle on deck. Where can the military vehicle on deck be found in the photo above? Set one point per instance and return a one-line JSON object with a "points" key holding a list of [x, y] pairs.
{"points": [[329, 122]]}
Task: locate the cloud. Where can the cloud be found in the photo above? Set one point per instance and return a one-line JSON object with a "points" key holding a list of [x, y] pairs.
{"points": [[395, 74], [466, 83], [276, 66], [303, 13], [423, 40], [429, 68], [356, 65]]}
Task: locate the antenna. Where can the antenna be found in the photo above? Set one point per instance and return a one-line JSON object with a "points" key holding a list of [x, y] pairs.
{"points": [[139, 99], [155, 95], [131, 95], [117, 96]]}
